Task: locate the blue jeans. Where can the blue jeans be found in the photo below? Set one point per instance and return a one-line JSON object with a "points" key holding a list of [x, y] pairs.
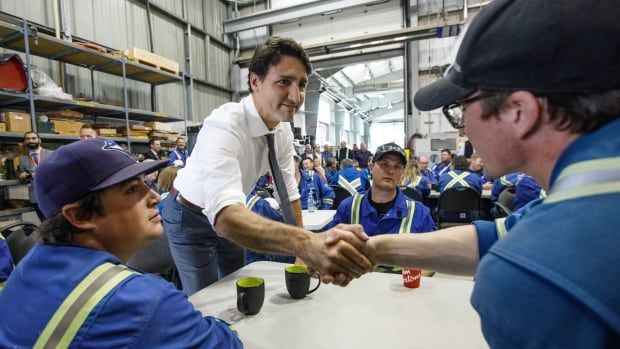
{"points": [[200, 255]]}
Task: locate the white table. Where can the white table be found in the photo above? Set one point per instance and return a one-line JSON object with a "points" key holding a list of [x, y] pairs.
{"points": [[318, 219], [375, 311], [486, 194]]}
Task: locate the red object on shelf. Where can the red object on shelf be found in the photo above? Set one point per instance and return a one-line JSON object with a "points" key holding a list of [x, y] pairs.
{"points": [[12, 73]]}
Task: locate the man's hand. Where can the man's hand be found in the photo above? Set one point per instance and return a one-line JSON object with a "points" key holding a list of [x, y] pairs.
{"points": [[342, 260]]}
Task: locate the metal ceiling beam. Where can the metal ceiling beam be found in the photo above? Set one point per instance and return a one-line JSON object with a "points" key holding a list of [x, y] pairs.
{"points": [[290, 13], [332, 63], [347, 77], [374, 40]]}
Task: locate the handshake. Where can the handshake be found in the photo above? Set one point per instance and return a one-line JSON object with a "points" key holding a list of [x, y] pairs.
{"points": [[340, 254]]}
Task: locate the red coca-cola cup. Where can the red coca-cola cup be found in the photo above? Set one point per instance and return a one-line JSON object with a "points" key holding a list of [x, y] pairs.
{"points": [[411, 277]]}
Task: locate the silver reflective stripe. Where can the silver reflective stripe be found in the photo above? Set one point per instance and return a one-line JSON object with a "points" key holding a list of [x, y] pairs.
{"points": [[355, 208], [71, 314], [342, 182], [586, 178], [583, 178]]}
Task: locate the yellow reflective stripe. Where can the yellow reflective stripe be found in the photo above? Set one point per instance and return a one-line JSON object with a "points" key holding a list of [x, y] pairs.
{"points": [[2, 285], [584, 191], [356, 183], [500, 226], [417, 181], [355, 208], [253, 200], [1, 237], [328, 201], [346, 185], [542, 194], [590, 165], [405, 224], [44, 339], [504, 180], [457, 179]]}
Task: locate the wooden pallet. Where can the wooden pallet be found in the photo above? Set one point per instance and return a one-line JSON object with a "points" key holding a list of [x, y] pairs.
{"points": [[141, 56]]}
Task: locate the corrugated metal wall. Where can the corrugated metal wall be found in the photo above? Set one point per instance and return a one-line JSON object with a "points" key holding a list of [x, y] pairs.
{"points": [[121, 24]]}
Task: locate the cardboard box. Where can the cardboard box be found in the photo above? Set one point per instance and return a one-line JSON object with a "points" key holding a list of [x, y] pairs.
{"points": [[2, 127], [17, 122], [158, 126], [67, 127]]}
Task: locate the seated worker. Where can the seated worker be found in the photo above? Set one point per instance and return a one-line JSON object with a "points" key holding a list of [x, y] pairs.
{"points": [[412, 179], [527, 190], [366, 175], [476, 167], [78, 291], [309, 182], [165, 182], [348, 178], [427, 173], [6, 262], [444, 165], [384, 209], [459, 176], [503, 182], [265, 208]]}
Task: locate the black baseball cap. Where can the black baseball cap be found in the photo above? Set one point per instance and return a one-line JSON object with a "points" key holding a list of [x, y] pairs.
{"points": [[79, 168], [543, 46], [390, 148]]}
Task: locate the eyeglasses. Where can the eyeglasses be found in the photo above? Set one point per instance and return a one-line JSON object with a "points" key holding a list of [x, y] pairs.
{"points": [[455, 112]]}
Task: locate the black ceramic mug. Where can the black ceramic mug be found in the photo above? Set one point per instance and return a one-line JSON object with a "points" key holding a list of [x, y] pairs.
{"points": [[298, 281], [250, 295]]}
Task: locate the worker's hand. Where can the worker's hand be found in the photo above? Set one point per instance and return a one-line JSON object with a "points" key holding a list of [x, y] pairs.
{"points": [[339, 261]]}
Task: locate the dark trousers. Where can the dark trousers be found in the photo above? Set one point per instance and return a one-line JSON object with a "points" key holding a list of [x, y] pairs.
{"points": [[200, 255]]}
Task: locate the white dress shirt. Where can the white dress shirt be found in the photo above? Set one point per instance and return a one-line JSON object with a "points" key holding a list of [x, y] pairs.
{"points": [[230, 155]]}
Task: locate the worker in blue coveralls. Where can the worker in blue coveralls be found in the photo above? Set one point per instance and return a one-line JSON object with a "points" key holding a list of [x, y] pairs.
{"points": [[552, 280], [348, 178], [527, 190], [6, 262], [264, 208], [73, 289], [384, 209], [503, 182], [310, 183], [459, 176]]}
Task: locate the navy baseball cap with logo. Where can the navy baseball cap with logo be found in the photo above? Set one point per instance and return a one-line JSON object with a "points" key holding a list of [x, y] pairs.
{"points": [[542, 46], [79, 168], [390, 148]]}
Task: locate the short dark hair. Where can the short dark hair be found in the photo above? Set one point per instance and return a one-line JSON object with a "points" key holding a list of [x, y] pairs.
{"points": [[573, 112], [31, 132], [460, 162], [446, 150], [90, 127], [269, 53], [58, 230], [153, 139]]}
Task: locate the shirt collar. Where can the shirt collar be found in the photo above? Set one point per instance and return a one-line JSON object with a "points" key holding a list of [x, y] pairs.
{"points": [[399, 205], [255, 122]]}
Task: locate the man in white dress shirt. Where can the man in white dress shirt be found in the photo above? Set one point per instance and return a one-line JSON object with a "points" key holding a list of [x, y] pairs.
{"points": [[208, 223]]}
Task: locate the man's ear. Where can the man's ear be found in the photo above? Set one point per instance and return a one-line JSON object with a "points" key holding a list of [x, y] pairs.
{"points": [[254, 80], [71, 212], [525, 112]]}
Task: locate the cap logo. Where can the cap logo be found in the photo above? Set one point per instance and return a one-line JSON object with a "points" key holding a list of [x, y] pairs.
{"points": [[112, 146]]}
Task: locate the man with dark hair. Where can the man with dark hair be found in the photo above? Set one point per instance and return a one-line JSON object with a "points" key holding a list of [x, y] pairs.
{"points": [[87, 131], [208, 223], [444, 165], [384, 209], [536, 91], [74, 289], [28, 164], [154, 148]]}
